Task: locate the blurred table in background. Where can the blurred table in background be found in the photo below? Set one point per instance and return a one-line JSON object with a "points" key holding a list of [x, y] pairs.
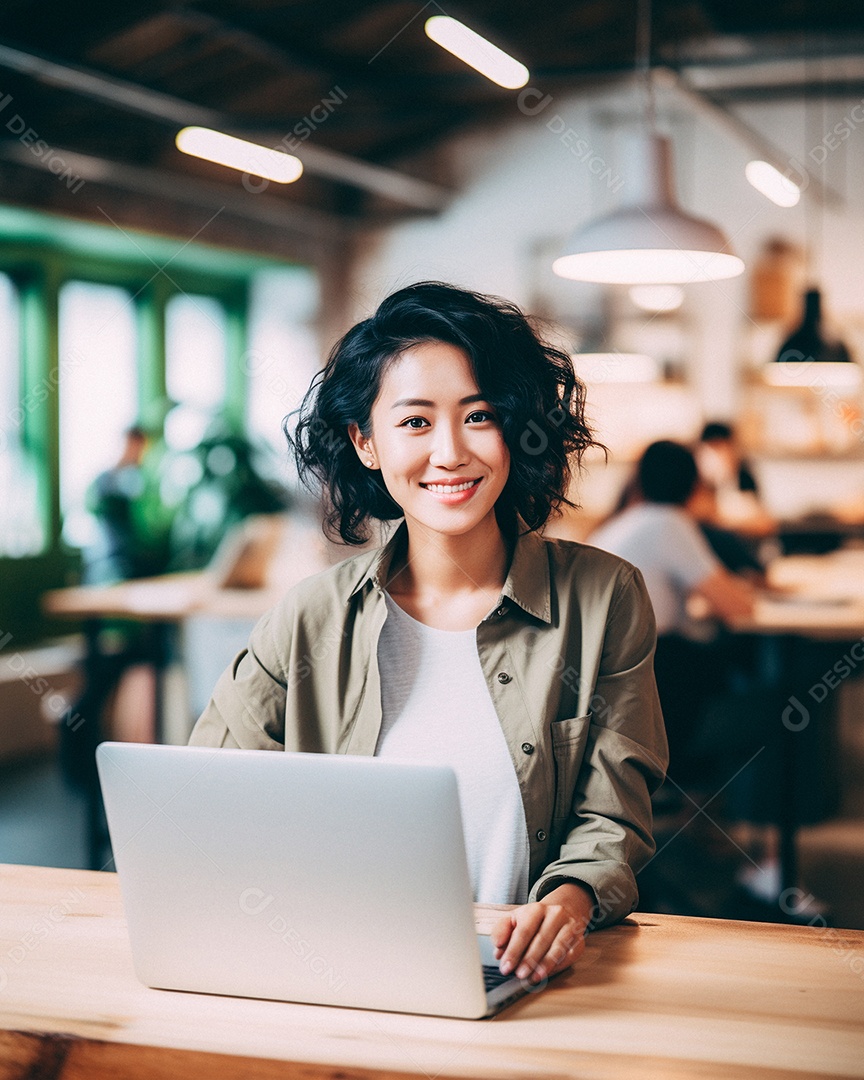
{"points": [[819, 533], [817, 596], [258, 562], [211, 611]]}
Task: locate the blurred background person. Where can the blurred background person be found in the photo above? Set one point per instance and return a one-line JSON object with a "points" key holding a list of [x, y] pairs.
{"points": [[118, 692], [119, 550], [658, 532], [724, 469]]}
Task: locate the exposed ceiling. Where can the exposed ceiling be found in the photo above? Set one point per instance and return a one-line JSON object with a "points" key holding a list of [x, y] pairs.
{"points": [[356, 89]]}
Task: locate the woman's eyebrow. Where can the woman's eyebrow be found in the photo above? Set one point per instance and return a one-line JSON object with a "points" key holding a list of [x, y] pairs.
{"points": [[402, 402]]}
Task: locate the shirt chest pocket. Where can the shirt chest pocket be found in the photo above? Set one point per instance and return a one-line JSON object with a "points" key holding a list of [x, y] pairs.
{"points": [[569, 738]]}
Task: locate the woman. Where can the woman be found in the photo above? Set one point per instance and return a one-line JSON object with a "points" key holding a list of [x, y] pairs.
{"points": [[468, 640]]}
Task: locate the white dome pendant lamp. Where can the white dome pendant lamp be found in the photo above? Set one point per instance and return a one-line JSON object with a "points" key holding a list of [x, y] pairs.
{"points": [[649, 240]]}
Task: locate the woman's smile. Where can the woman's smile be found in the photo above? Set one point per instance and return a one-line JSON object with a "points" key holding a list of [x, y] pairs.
{"points": [[452, 490]]}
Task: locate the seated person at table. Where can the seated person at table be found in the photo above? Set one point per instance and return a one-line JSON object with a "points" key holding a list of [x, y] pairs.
{"points": [[468, 640], [736, 552], [723, 468], [658, 533], [733, 550]]}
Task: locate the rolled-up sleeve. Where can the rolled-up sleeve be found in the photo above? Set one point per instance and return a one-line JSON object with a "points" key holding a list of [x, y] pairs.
{"points": [[625, 758]]}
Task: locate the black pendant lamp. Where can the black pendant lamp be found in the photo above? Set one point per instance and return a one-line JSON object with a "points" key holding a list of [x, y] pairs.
{"points": [[807, 342]]}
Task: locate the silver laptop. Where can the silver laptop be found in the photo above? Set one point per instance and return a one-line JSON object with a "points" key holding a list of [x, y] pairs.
{"points": [[319, 878]]}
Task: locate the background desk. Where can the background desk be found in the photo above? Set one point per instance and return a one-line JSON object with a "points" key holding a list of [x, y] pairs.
{"points": [[659, 997], [823, 605], [215, 608]]}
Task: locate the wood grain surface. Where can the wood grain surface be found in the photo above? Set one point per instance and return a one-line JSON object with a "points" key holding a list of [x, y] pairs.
{"points": [[656, 997]]}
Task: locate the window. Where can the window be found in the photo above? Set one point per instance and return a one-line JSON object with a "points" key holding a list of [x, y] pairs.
{"points": [[82, 363], [21, 531], [283, 353], [98, 393]]}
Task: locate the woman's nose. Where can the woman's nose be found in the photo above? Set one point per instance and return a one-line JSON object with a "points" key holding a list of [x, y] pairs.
{"points": [[448, 448]]}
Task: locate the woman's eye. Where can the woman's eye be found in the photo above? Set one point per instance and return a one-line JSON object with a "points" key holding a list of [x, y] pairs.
{"points": [[414, 422], [479, 416]]}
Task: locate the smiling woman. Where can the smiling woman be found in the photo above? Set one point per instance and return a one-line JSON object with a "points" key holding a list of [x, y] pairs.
{"points": [[536, 399], [524, 664]]}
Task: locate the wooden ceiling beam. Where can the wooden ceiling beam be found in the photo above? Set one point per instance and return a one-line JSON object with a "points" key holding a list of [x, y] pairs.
{"points": [[161, 184], [253, 44], [131, 97]]}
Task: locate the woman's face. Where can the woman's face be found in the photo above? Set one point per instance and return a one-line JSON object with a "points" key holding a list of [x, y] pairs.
{"points": [[437, 442]]}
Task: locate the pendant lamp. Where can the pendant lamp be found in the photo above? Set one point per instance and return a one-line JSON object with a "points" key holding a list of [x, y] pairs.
{"points": [[649, 240], [808, 342]]}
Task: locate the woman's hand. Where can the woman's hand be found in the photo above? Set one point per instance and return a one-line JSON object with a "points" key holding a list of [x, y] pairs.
{"points": [[536, 940]]}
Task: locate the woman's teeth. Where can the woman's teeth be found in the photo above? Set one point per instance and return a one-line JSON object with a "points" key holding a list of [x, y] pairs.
{"points": [[449, 489]]}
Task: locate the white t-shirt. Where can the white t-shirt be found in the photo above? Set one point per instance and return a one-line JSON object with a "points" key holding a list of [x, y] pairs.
{"points": [[666, 544], [437, 709]]}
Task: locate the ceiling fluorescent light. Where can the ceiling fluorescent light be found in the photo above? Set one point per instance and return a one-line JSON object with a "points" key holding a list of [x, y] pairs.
{"points": [[476, 51], [772, 183], [239, 154]]}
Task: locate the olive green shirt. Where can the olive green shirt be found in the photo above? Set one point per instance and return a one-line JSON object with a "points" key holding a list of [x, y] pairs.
{"points": [[567, 653]]}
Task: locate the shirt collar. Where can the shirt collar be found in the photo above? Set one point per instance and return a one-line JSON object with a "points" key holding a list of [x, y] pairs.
{"points": [[373, 565], [527, 583]]}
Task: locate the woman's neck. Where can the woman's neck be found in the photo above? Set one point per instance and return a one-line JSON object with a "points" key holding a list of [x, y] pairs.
{"points": [[450, 581]]}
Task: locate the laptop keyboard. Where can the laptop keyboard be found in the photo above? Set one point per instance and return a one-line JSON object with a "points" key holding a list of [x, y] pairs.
{"points": [[492, 976]]}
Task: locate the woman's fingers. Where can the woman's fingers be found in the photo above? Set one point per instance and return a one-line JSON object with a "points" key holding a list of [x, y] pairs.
{"points": [[542, 940], [538, 939], [500, 934], [525, 921], [536, 961], [565, 949]]}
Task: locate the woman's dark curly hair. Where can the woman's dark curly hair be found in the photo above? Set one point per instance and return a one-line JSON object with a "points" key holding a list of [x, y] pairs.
{"points": [[532, 387]]}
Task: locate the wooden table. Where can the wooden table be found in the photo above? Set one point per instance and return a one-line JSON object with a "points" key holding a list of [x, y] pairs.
{"points": [[161, 604], [656, 998], [822, 598]]}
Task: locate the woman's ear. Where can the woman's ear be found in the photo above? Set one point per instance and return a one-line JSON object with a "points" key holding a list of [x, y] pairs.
{"points": [[363, 446]]}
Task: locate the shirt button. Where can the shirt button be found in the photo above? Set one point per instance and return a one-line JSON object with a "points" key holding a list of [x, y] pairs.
{"points": [[541, 835], [503, 677], [501, 610], [527, 748]]}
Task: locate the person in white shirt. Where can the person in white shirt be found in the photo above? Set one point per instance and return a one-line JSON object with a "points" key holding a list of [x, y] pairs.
{"points": [[658, 534]]}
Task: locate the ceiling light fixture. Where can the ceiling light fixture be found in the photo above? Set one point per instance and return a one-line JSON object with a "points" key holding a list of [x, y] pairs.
{"points": [[649, 240], [476, 52], [808, 342], [771, 183], [239, 154], [657, 298]]}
